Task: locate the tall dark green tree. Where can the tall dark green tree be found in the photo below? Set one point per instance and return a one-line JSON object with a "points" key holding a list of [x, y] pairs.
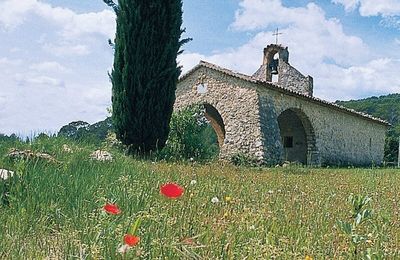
{"points": [[145, 72]]}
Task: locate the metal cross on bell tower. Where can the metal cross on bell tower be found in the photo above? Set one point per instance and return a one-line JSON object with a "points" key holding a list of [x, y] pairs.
{"points": [[276, 34]]}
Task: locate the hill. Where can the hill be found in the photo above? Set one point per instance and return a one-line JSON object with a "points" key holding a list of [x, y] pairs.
{"points": [[385, 107]]}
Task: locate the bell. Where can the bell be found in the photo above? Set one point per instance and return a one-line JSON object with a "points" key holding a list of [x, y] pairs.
{"points": [[274, 67]]}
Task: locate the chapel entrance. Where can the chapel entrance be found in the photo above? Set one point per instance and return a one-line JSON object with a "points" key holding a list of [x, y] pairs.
{"points": [[296, 135], [216, 122]]}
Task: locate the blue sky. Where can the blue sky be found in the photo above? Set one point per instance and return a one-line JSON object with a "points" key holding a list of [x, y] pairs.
{"points": [[54, 55]]}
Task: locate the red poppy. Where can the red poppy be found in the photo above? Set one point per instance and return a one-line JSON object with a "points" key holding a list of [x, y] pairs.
{"points": [[171, 190], [131, 240], [112, 209]]}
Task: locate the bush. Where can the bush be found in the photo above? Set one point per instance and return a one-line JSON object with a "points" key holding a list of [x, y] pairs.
{"points": [[11, 138], [190, 137], [241, 159], [392, 145]]}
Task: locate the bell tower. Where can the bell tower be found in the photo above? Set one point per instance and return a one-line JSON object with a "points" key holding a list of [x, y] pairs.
{"points": [[274, 53], [276, 64]]}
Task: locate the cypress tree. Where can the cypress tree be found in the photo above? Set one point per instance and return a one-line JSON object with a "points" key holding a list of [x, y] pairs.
{"points": [[145, 71]]}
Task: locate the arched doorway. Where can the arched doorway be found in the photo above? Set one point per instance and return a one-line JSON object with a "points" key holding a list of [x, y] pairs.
{"points": [[297, 136], [216, 122]]}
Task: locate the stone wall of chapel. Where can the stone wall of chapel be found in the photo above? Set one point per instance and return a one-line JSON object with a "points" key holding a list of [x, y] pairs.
{"points": [[237, 105], [341, 138], [250, 113]]}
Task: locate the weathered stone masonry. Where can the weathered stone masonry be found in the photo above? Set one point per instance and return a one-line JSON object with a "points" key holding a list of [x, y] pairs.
{"points": [[237, 106], [274, 123]]}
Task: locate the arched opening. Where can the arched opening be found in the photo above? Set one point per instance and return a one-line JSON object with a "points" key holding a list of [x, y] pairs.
{"points": [[216, 122], [274, 53], [274, 68], [297, 136]]}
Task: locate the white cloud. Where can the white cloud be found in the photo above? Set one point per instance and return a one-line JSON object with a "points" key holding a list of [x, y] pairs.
{"points": [[373, 78], [41, 91], [75, 25], [48, 66], [39, 80], [3, 100], [308, 31], [258, 14], [246, 58], [7, 67], [9, 62], [37, 107], [35, 98], [349, 5], [15, 12], [342, 65], [372, 7], [17, 72], [188, 60], [97, 95], [15, 49], [66, 49]]}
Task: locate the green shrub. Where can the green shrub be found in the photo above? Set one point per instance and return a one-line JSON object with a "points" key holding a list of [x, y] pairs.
{"points": [[191, 137], [241, 159], [84, 132]]}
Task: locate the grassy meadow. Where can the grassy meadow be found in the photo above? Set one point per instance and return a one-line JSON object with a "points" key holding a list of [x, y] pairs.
{"points": [[55, 210]]}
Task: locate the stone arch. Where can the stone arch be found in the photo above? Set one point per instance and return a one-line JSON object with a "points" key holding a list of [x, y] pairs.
{"points": [[297, 137], [216, 121], [273, 54]]}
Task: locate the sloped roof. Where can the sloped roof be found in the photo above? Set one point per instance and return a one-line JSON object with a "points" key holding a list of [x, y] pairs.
{"points": [[283, 90], [261, 73]]}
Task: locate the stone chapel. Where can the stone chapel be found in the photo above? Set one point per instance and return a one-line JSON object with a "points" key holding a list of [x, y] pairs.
{"points": [[272, 115]]}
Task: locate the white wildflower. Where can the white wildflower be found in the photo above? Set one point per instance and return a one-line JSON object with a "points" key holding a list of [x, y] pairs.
{"points": [[66, 148], [123, 249], [5, 174], [215, 200], [193, 182], [270, 191], [100, 155]]}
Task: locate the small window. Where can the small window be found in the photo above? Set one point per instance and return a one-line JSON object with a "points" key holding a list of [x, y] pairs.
{"points": [[288, 141], [202, 88]]}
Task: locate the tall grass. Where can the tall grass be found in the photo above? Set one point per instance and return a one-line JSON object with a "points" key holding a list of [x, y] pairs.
{"points": [[55, 210]]}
